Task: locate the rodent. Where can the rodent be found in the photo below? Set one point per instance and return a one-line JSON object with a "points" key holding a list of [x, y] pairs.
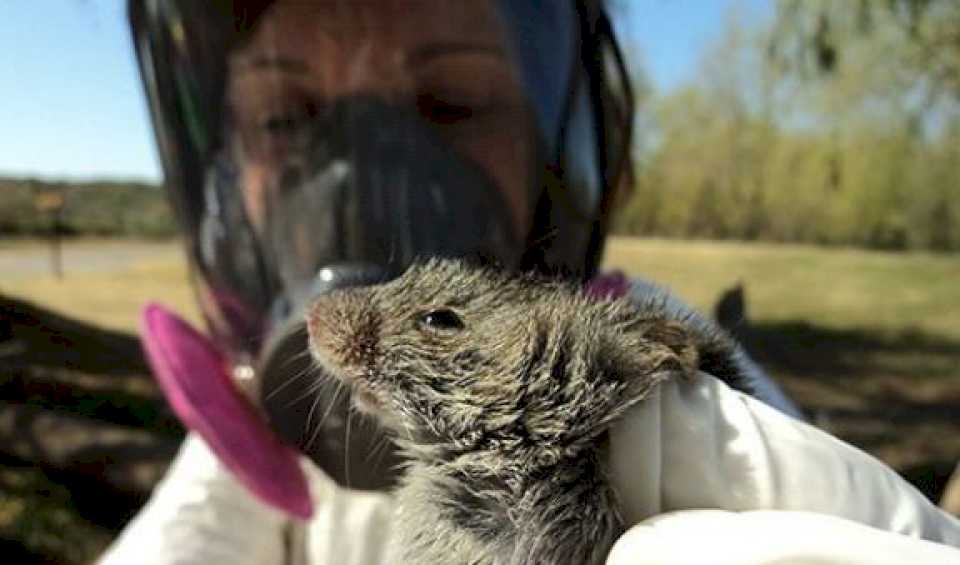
{"points": [[499, 390]]}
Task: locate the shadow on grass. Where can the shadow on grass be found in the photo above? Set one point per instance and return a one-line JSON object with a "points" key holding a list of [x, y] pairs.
{"points": [[106, 405], [931, 477], [13, 551], [83, 493], [68, 488], [57, 363], [52, 340], [84, 434], [812, 351], [54, 516]]}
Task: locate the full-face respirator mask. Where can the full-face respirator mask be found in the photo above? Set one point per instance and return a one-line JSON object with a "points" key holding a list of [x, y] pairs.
{"points": [[310, 146]]}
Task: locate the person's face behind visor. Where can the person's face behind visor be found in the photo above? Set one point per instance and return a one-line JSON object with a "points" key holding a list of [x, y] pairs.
{"points": [[446, 61], [357, 137]]}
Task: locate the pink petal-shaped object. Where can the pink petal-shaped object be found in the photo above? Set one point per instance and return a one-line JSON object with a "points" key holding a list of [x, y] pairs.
{"points": [[193, 375]]}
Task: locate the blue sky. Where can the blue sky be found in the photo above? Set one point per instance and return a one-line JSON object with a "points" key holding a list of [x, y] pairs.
{"points": [[71, 105]]}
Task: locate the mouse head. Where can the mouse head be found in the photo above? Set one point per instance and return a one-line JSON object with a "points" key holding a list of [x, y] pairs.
{"points": [[464, 358]]}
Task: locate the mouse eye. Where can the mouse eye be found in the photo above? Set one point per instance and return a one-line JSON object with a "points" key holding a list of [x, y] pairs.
{"points": [[441, 320]]}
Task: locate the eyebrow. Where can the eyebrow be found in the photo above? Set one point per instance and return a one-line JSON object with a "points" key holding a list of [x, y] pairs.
{"points": [[420, 55], [273, 61], [429, 51]]}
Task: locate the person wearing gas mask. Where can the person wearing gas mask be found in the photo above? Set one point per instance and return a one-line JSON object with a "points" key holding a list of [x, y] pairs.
{"points": [[311, 146]]}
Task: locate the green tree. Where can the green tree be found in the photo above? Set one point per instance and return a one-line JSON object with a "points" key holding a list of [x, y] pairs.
{"points": [[863, 152]]}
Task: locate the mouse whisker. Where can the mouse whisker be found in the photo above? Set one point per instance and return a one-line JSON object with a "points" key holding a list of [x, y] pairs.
{"points": [[334, 399], [307, 371], [346, 448], [290, 359], [338, 389], [313, 408], [314, 388], [380, 448], [321, 386]]}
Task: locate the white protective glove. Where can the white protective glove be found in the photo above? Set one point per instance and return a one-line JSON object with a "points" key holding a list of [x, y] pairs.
{"points": [[705, 446], [766, 536]]}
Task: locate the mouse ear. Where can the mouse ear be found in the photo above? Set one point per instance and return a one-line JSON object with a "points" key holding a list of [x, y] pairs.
{"points": [[641, 354], [678, 338], [700, 346]]}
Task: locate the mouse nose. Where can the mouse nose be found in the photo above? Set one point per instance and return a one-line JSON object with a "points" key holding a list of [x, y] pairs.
{"points": [[337, 317], [343, 328], [328, 323], [320, 331]]}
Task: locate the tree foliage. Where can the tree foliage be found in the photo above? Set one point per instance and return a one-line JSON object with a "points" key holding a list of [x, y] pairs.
{"points": [[90, 209], [855, 141], [920, 39]]}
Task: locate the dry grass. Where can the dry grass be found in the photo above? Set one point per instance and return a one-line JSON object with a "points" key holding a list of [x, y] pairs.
{"points": [[114, 296], [833, 287]]}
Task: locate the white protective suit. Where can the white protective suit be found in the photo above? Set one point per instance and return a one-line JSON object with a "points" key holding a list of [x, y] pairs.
{"points": [[707, 474]]}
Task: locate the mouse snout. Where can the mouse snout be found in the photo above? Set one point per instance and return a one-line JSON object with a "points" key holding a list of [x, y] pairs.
{"points": [[344, 331]]}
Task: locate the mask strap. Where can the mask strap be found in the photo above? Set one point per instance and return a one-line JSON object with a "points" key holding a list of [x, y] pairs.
{"points": [[608, 286]]}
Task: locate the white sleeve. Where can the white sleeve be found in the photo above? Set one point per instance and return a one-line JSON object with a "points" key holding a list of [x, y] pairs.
{"points": [[199, 514], [701, 445]]}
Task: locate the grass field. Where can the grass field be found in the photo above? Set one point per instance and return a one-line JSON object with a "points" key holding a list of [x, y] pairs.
{"points": [[890, 293], [865, 341], [111, 292]]}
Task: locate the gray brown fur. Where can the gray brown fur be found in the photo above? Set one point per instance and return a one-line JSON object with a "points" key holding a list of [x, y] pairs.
{"points": [[504, 421]]}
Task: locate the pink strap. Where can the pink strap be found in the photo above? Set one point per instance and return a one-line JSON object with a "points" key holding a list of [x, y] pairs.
{"points": [[193, 376], [606, 286]]}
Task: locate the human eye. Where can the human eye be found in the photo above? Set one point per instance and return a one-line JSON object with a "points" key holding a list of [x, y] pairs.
{"points": [[445, 110], [462, 90], [277, 125], [287, 119]]}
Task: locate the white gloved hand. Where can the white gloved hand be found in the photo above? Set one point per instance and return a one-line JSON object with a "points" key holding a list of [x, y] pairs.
{"points": [[698, 445], [769, 536]]}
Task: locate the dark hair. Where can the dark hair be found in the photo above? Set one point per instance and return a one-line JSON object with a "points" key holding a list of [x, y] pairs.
{"points": [[614, 102]]}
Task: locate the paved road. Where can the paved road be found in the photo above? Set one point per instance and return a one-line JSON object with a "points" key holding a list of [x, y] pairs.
{"points": [[26, 260]]}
